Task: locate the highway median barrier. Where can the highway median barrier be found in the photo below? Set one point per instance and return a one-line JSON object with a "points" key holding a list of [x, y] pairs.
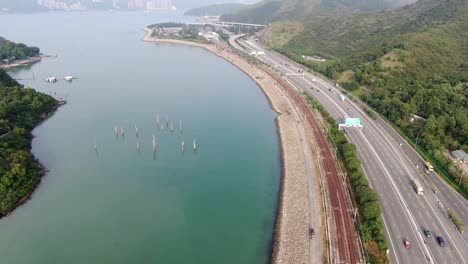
{"points": [[370, 223], [442, 164], [455, 220]]}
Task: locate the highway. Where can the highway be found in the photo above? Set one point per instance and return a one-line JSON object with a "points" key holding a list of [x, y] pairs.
{"points": [[345, 247], [390, 164]]}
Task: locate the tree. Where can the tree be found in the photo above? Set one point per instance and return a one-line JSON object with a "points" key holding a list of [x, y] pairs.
{"points": [[371, 210], [368, 195]]}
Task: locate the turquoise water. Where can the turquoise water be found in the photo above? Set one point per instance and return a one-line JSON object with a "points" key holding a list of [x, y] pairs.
{"points": [[121, 205]]}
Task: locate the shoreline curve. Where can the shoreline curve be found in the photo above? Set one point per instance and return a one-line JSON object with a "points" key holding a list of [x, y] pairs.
{"points": [[290, 238]]}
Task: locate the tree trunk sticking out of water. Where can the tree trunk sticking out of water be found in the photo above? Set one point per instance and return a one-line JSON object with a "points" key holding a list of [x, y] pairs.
{"points": [[116, 130], [96, 150], [195, 146], [138, 147], [157, 121], [154, 143]]}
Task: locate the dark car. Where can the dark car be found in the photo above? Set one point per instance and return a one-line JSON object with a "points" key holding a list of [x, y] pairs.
{"points": [[441, 241], [427, 233], [311, 232]]}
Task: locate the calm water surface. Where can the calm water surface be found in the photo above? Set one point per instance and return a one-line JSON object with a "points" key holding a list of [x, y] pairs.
{"points": [[125, 206]]}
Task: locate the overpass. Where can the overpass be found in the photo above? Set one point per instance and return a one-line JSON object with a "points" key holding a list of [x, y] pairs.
{"points": [[227, 24], [224, 23]]}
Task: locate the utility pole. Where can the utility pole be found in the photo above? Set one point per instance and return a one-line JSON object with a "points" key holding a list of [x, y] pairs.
{"points": [[461, 178], [417, 138]]}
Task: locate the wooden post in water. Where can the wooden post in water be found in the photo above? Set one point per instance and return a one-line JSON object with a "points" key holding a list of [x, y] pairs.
{"points": [[116, 130], [138, 147], [157, 120], [181, 127], [122, 131], [154, 143], [96, 149], [195, 146]]}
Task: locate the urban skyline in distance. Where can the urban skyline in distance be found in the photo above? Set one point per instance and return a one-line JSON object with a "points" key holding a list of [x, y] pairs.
{"points": [[114, 4], [147, 4]]}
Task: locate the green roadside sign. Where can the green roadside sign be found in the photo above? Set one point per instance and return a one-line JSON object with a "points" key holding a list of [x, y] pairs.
{"points": [[352, 121]]}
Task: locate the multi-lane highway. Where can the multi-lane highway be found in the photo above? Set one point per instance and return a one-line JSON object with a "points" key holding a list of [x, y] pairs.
{"points": [[391, 165], [344, 234]]}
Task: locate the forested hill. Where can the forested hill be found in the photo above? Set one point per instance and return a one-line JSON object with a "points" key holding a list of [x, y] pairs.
{"points": [[405, 62], [274, 10], [215, 10], [6, 80], [20, 110], [16, 51]]}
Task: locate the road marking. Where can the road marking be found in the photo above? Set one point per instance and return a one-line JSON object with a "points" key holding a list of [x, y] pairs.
{"points": [[390, 237], [415, 228], [379, 131], [389, 139]]}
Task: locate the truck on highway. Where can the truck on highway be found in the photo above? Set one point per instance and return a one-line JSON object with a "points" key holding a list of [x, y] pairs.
{"points": [[342, 97], [429, 166], [417, 187]]}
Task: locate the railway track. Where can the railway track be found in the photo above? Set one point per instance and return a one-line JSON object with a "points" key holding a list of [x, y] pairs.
{"points": [[345, 237]]}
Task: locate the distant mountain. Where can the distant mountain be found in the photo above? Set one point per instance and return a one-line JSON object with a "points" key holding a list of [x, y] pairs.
{"points": [[349, 36], [32, 5], [215, 10], [190, 4], [274, 10]]}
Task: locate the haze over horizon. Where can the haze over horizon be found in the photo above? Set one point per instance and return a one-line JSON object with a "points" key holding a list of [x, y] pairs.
{"points": [[34, 5]]}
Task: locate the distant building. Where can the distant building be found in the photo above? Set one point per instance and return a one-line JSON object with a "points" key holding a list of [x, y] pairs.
{"points": [[77, 7], [140, 4], [58, 5], [136, 4], [159, 5], [115, 4], [209, 35], [131, 4], [460, 156]]}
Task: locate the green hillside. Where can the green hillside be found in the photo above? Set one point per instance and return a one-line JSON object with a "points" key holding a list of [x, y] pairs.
{"points": [[215, 10], [16, 51], [20, 110], [274, 10], [404, 62]]}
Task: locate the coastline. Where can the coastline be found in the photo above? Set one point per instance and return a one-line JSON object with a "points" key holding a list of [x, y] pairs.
{"points": [[21, 63], [43, 171], [291, 239]]}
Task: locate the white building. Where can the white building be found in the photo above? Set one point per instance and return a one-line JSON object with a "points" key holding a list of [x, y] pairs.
{"points": [[209, 35]]}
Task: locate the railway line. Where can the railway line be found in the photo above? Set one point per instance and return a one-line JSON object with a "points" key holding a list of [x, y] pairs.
{"points": [[345, 233], [390, 165]]}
